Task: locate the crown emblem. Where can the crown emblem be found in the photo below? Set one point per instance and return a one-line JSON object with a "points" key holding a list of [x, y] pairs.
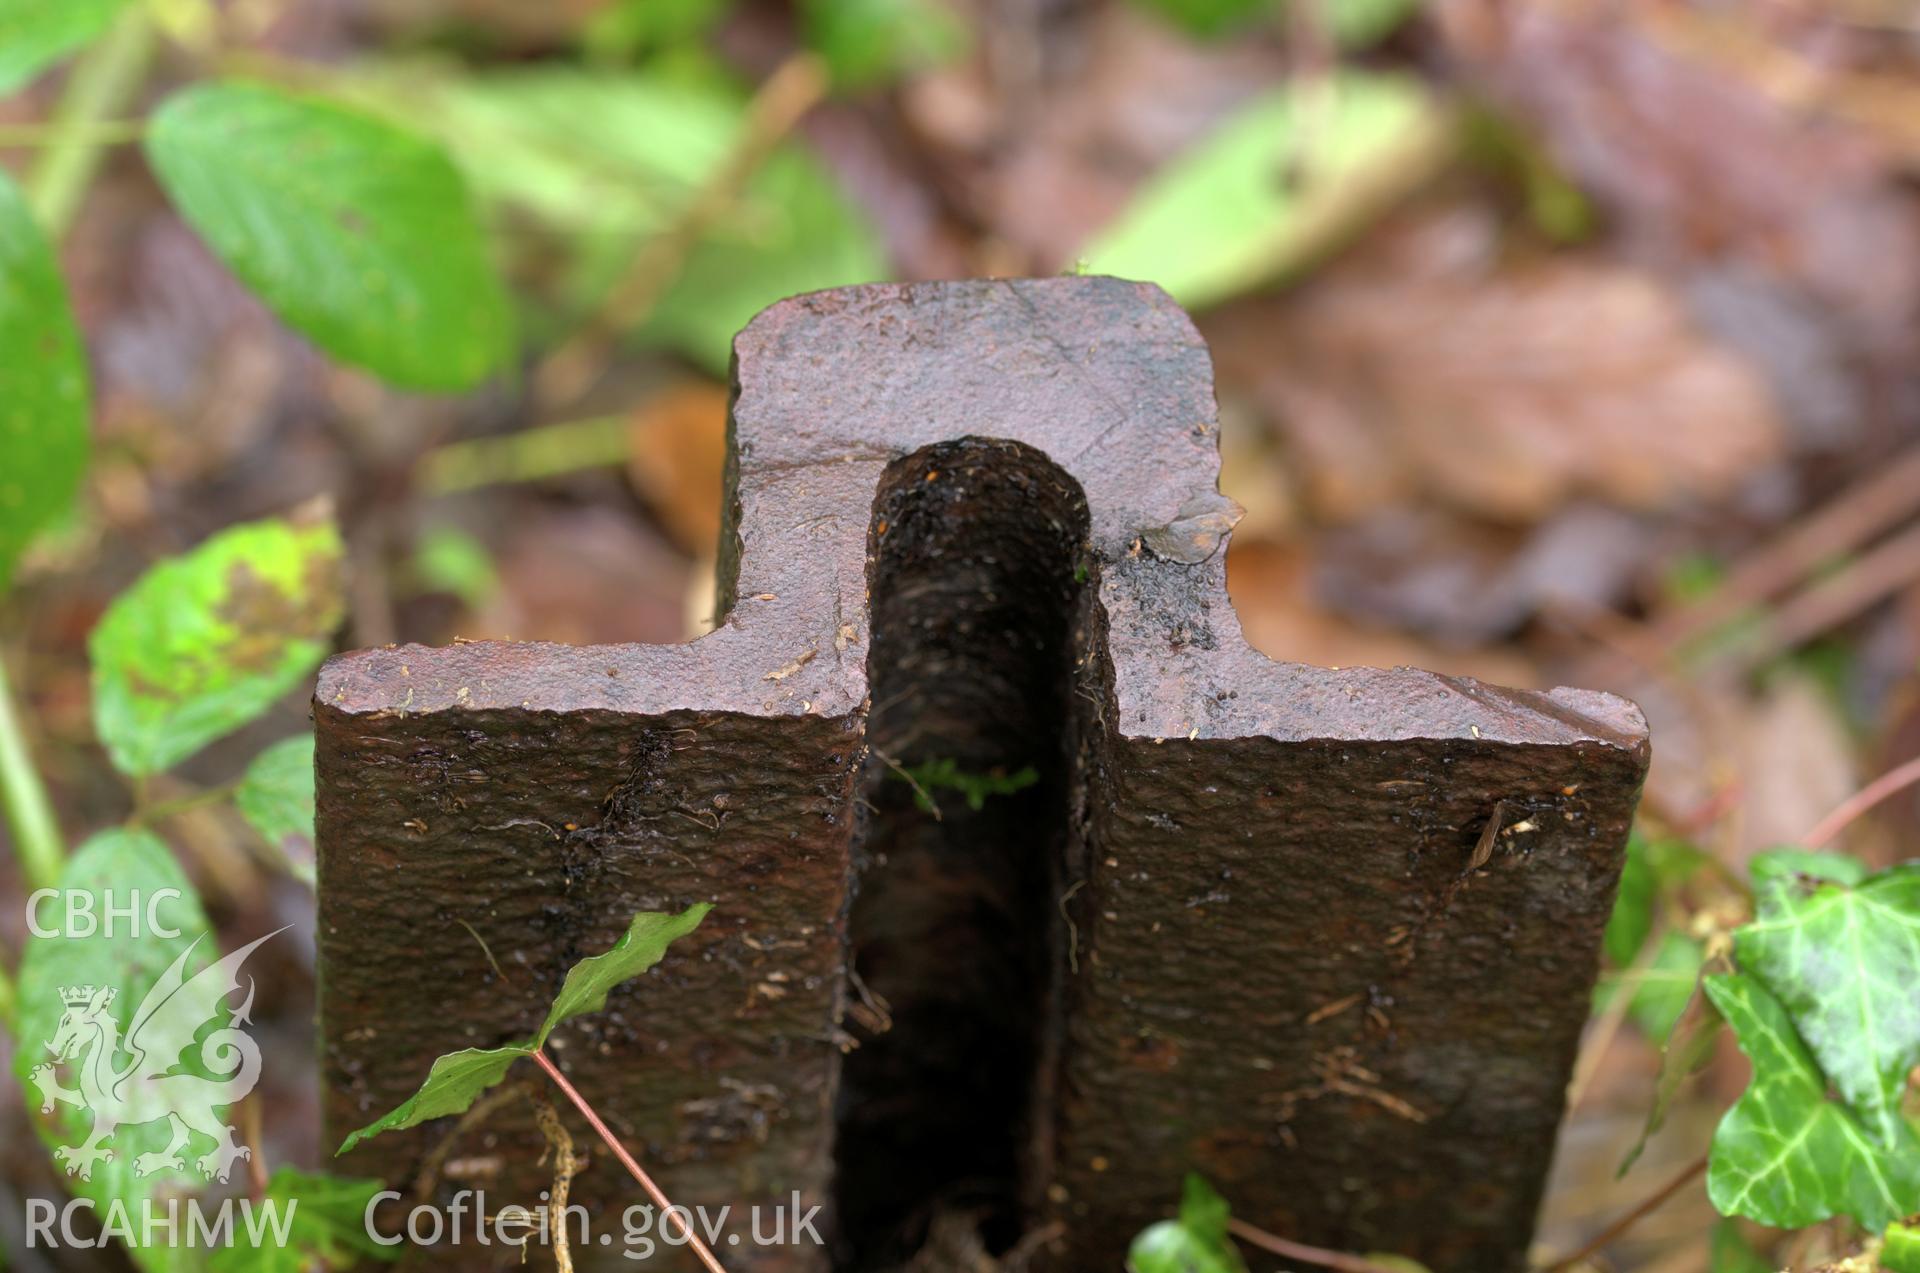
{"points": [[81, 996]]}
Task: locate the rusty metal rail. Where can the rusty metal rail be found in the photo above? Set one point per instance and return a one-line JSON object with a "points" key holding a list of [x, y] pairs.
{"points": [[1035, 885]]}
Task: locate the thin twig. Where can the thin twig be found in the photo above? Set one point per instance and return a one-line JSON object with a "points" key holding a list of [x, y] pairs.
{"points": [[1838, 527], [1886, 785], [667, 1209], [793, 89], [927, 802], [1832, 601], [1318, 1256], [1631, 1218]]}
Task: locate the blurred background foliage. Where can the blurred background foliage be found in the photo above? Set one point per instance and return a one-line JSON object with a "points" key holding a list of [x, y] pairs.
{"points": [[1556, 343]]}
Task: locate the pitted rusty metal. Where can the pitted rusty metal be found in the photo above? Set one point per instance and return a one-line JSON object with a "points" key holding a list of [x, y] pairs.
{"points": [[1270, 959]]}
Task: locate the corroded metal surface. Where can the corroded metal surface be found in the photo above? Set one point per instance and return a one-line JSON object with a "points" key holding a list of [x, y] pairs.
{"points": [[1270, 958]]}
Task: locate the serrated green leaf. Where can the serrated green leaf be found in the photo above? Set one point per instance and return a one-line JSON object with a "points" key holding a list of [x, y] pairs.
{"points": [[1786, 1154], [43, 381], [275, 796], [1197, 1242], [1228, 214], [1845, 962], [35, 33], [116, 866], [355, 231], [203, 643], [458, 1079], [323, 1226]]}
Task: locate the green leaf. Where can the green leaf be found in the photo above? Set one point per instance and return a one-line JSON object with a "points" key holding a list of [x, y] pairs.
{"points": [[115, 866], [609, 158], [203, 643], [1631, 920], [1197, 1242], [323, 1221], [355, 231], [454, 1082], [872, 42], [1234, 211], [34, 33], [1779, 873], [43, 379], [1358, 24], [1208, 18], [458, 1079], [1689, 1046], [1845, 964], [639, 948], [1730, 1253], [1786, 1155], [1900, 1249], [452, 561], [275, 796]]}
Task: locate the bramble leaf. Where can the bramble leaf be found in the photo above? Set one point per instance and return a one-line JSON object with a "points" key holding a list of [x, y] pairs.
{"points": [[36, 33], [43, 377], [1786, 1154], [324, 1227], [203, 643], [458, 1079], [275, 796], [355, 231]]}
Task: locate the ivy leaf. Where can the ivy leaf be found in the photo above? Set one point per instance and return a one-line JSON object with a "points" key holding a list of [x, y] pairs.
{"points": [[119, 863], [1844, 963], [322, 1225], [1786, 1154], [355, 231], [34, 33], [203, 643], [1197, 1242], [275, 796], [1247, 203], [457, 1080], [43, 376]]}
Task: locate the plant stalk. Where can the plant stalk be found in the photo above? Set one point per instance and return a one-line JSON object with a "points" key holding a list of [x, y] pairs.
{"points": [[36, 834], [99, 88]]}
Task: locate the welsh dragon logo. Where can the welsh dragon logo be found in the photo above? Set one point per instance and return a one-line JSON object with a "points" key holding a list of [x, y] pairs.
{"points": [[125, 1081]]}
